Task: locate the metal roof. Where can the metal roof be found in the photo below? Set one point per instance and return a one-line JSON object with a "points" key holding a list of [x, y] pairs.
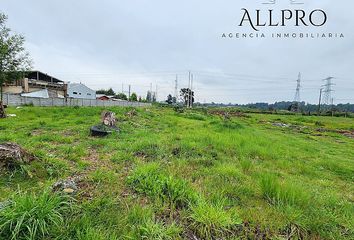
{"points": [[37, 94], [38, 75]]}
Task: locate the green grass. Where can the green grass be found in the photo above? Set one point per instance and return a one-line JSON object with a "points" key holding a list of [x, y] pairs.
{"points": [[149, 179], [29, 216], [175, 175], [282, 194], [212, 220]]}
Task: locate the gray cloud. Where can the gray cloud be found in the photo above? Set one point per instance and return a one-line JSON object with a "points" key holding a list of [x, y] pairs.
{"points": [[138, 42]]}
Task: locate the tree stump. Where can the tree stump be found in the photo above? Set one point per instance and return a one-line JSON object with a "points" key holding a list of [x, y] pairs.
{"points": [[108, 119], [107, 126], [2, 110], [12, 154]]}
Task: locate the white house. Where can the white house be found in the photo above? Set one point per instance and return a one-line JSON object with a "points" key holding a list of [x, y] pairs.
{"points": [[79, 90]]}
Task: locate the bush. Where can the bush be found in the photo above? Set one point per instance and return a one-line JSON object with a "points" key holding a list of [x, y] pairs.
{"points": [[150, 180], [31, 216], [211, 221]]}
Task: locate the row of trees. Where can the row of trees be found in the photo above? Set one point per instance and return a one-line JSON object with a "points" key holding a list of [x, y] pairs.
{"points": [[286, 105], [186, 96], [150, 96]]}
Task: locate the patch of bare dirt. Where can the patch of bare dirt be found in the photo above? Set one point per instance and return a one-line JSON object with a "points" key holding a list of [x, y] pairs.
{"points": [[36, 132], [80, 182], [347, 133], [227, 114]]}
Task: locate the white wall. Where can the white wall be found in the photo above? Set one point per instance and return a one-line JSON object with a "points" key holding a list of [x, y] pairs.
{"points": [[78, 90], [18, 100]]}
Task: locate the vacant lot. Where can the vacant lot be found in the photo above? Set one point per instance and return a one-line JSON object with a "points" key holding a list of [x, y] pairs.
{"points": [[187, 175]]}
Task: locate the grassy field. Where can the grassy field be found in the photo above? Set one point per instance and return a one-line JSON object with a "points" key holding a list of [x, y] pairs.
{"points": [[188, 175]]}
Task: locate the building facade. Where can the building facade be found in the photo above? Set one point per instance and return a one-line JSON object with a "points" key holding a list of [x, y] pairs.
{"points": [[79, 90], [34, 81]]}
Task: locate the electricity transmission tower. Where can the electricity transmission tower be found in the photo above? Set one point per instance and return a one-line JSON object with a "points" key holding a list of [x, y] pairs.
{"points": [[327, 92], [295, 107], [298, 86]]}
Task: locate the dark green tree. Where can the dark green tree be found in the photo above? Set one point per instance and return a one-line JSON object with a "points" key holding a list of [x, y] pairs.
{"points": [[187, 96], [149, 96], [110, 92], [133, 97], [14, 60], [121, 96], [101, 91], [154, 97], [169, 99]]}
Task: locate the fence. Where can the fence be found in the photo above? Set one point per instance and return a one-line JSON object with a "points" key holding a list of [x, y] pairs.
{"points": [[18, 100]]}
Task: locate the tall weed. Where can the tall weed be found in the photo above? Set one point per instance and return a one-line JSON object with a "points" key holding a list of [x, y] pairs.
{"points": [[30, 216]]}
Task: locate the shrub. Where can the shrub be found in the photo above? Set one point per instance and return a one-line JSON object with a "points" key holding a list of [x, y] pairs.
{"points": [[282, 194], [31, 216], [211, 221], [150, 180]]}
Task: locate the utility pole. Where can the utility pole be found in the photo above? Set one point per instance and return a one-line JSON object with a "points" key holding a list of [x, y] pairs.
{"points": [[319, 103], [296, 103], [122, 87], [129, 92], [332, 107], [156, 93], [189, 88], [176, 88], [192, 91]]}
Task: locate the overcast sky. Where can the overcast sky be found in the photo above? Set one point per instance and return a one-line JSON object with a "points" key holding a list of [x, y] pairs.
{"points": [[108, 43]]}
